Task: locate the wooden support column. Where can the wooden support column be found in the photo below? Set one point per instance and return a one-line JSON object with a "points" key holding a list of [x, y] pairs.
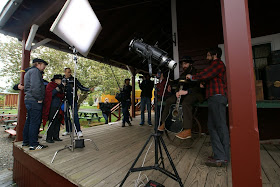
{"points": [[21, 106], [133, 93], [244, 133]]}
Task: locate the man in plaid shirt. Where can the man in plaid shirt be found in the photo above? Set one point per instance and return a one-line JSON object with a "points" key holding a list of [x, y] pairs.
{"points": [[214, 77]]}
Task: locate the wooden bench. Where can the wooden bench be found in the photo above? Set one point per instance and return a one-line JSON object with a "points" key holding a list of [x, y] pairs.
{"points": [[12, 132], [259, 104]]}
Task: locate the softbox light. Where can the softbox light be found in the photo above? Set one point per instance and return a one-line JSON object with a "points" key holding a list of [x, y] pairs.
{"points": [[77, 25]]}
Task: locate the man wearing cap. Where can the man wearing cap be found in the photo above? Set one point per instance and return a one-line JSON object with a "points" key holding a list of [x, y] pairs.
{"points": [[190, 93], [34, 90], [53, 99]]}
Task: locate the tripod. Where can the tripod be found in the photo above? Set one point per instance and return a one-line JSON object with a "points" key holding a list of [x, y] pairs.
{"points": [[159, 143], [69, 115]]}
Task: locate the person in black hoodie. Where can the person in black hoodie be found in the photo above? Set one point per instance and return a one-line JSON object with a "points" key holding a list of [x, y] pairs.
{"points": [[190, 93], [147, 88], [106, 109]]}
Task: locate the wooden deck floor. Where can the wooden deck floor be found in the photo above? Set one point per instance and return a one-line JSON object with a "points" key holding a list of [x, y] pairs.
{"points": [[118, 148]]}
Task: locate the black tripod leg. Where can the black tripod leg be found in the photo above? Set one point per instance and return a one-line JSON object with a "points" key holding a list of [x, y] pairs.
{"points": [[161, 156], [129, 171], [171, 162]]}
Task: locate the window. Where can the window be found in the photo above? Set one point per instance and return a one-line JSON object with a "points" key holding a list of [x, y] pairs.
{"points": [[260, 54]]}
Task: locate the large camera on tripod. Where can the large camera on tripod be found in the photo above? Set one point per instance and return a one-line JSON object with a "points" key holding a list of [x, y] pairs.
{"points": [[148, 51], [65, 82]]}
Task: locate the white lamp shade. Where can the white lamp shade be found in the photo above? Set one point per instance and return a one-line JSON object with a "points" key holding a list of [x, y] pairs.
{"points": [[77, 25]]}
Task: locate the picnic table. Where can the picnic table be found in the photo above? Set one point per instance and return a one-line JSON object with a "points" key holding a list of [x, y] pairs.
{"points": [[7, 120], [90, 115]]}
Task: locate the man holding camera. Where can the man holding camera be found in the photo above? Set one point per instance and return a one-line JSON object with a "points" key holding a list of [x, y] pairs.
{"points": [[69, 79], [34, 90], [147, 88], [51, 111]]}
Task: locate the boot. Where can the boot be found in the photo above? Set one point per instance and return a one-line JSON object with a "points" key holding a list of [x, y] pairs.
{"points": [[185, 134]]}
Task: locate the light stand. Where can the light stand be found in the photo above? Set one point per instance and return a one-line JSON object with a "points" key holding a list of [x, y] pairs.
{"points": [[66, 109], [158, 143]]}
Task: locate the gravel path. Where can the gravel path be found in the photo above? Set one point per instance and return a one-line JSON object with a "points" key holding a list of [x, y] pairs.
{"points": [[6, 150]]}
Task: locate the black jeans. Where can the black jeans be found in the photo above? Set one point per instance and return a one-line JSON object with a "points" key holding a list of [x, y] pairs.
{"points": [[125, 107], [53, 132]]}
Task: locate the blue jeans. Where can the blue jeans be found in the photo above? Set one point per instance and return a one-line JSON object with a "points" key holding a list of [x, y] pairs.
{"points": [[217, 126], [145, 101], [125, 107], [32, 123], [105, 115], [76, 118]]}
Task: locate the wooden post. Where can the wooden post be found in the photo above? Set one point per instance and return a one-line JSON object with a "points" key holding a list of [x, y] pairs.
{"points": [[21, 109], [110, 117], [244, 133]]}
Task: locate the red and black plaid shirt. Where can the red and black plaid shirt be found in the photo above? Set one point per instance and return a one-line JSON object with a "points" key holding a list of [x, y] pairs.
{"points": [[214, 77]]}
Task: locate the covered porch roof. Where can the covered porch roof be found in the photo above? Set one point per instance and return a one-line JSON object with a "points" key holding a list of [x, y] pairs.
{"points": [[199, 26]]}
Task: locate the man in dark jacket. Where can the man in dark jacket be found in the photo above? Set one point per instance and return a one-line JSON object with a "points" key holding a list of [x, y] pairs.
{"points": [[126, 102], [146, 94], [69, 96], [53, 99], [190, 93], [34, 90]]}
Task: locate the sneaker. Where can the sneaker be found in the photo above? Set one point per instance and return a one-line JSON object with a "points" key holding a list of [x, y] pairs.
{"points": [[65, 133], [129, 124], [216, 163], [150, 124], [185, 134], [162, 127], [123, 124], [141, 124], [80, 134], [38, 147]]}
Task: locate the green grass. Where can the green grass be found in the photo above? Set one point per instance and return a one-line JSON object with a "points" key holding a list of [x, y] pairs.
{"points": [[83, 122], [7, 111], [88, 107]]}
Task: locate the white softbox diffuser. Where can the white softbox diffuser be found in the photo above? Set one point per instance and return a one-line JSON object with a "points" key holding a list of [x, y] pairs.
{"points": [[77, 25]]}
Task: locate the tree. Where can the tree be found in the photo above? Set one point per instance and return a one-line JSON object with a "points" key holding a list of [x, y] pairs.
{"points": [[89, 72]]}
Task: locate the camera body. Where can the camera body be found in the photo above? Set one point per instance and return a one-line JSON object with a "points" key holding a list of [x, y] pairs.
{"points": [[66, 81], [148, 51]]}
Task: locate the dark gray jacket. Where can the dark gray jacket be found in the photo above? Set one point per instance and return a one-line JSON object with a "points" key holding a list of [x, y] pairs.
{"points": [[34, 87]]}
